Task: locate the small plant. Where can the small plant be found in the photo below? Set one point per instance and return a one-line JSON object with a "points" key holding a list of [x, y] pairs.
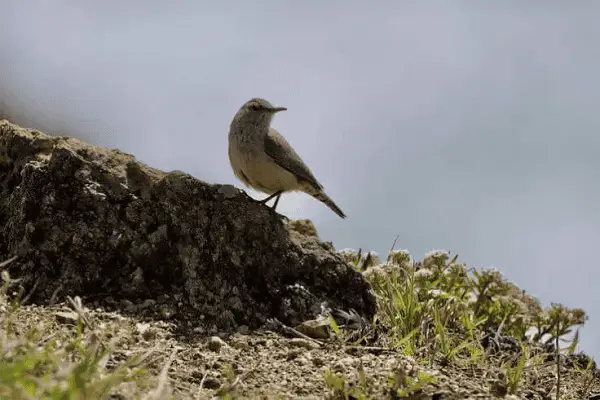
{"points": [[229, 390], [437, 311], [400, 307], [514, 373], [447, 345], [341, 390], [557, 321], [36, 365], [587, 378], [402, 385]]}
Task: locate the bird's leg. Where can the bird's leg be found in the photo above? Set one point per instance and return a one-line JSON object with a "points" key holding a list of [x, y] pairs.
{"points": [[276, 201], [276, 194], [275, 206]]}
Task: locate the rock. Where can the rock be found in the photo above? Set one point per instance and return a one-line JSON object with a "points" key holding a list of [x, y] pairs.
{"points": [[128, 306], [145, 330], [95, 222], [239, 342], [148, 303], [212, 383], [166, 312], [66, 317], [307, 344], [317, 328], [303, 227], [215, 344]]}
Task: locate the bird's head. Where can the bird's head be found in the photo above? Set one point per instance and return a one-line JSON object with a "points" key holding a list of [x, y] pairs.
{"points": [[262, 106], [256, 112]]}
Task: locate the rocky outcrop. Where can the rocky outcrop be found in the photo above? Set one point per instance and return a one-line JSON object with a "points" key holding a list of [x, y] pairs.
{"points": [[96, 223]]}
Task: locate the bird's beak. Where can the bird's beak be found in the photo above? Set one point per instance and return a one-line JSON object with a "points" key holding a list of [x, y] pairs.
{"points": [[277, 109]]}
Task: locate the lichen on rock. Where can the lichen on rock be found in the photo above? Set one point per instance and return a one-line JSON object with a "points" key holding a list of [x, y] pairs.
{"points": [[97, 223]]}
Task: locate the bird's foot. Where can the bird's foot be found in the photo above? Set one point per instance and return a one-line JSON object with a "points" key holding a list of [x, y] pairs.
{"points": [[272, 209], [275, 196], [282, 217]]}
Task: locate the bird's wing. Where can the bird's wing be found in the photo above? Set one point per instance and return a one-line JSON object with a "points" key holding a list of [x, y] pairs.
{"points": [[284, 155]]}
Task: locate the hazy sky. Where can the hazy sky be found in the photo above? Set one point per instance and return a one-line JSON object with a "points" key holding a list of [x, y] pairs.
{"points": [[467, 126]]}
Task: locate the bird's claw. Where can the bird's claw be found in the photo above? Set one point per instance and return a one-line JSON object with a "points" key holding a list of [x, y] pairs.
{"points": [[283, 217]]}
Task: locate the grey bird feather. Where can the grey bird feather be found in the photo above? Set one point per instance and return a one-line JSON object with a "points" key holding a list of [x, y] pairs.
{"points": [[284, 155]]}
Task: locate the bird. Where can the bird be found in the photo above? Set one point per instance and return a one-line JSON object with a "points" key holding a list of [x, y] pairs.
{"points": [[263, 160]]}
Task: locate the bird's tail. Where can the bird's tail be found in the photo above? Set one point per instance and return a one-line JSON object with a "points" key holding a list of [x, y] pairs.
{"points": [[321, 196]]}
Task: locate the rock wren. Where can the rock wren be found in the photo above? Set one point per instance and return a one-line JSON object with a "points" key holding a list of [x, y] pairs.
{"points": [[262, 159]]}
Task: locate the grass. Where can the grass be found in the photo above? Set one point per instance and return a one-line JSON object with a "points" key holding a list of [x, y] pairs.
{"points": [[446, 316], [78, 363]]}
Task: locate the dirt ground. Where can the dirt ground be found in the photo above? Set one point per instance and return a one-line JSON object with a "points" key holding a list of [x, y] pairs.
{"points": [[267, 365]]}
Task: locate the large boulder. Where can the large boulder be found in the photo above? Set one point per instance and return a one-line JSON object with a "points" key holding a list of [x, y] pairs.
{"points": [[95, 222]]}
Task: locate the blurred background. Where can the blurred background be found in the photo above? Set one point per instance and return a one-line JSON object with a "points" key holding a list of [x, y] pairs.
{"points": [[467, 126]]}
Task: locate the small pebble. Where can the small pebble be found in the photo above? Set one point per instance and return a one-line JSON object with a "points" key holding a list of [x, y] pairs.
{"points": [[66, 317], [147, 303], [211, 383], [215, 344], [307, 344]]}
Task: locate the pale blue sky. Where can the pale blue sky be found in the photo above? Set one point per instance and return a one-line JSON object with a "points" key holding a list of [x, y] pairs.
{"points": [[469, 126]]}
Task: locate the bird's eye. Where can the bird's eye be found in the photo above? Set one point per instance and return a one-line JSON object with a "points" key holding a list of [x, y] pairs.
{"points": [[255, 107]]}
